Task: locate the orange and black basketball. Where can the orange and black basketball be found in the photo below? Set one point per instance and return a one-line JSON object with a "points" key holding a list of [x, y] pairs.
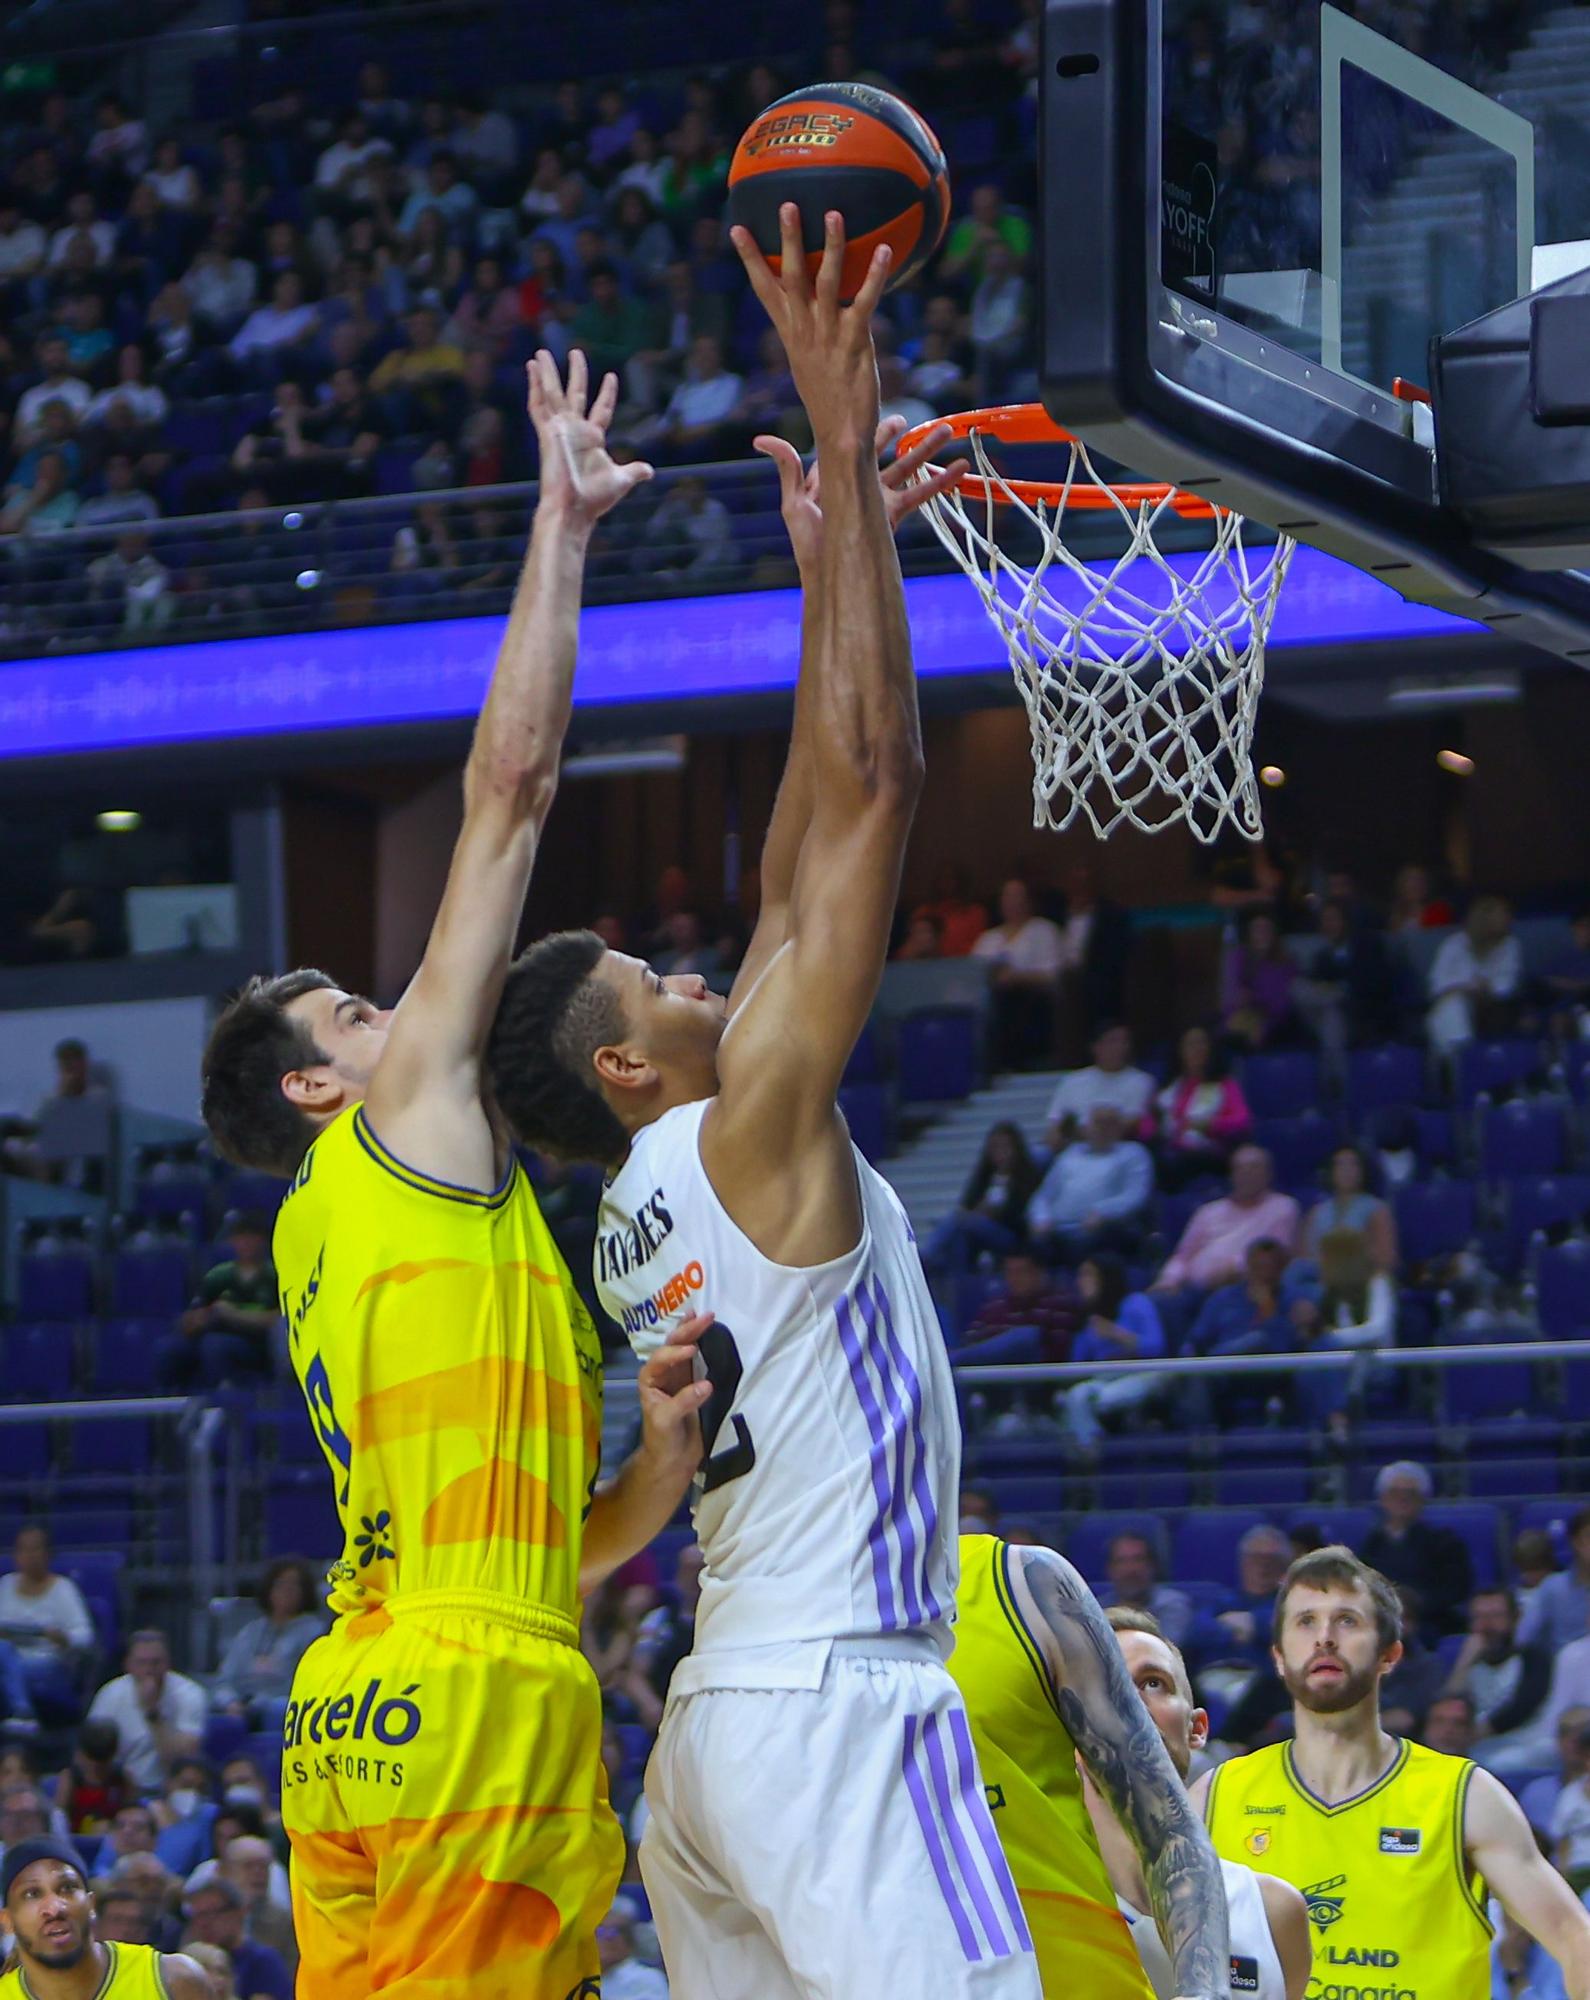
{"points": [[849, 147]]}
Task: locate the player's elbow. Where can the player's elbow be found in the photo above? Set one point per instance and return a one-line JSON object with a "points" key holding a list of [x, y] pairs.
{"points": [[518, 786], [888, 771]]}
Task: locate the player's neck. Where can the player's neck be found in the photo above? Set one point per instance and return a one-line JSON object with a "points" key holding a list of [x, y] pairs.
{"points": [[78, 1982], [1339, 1756]]}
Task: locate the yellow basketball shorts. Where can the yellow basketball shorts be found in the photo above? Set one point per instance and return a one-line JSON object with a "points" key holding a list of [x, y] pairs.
{"points": [[442, 1785]]}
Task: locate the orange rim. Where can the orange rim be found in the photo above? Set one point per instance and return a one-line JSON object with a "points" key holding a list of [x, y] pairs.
{"points": [[1031, 423]]}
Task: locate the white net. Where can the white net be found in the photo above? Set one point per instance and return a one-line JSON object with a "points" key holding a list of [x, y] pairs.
{"points": [[1141, 674]]}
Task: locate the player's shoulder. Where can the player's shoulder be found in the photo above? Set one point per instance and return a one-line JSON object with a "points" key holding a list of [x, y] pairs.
{"points": [[180, 1977]]}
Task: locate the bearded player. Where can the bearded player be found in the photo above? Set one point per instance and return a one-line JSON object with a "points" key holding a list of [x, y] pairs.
{"points": [[442, 1777], [50, 1911], [818, 1825], [1392, 1845]]}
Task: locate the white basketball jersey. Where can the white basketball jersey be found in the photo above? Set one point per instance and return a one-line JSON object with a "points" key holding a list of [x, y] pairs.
{"points": [[1255, 1963], [827, 1505]]}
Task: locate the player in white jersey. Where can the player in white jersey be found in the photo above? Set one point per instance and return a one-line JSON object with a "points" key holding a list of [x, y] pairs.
{"points": [[1271, 1948], [818, 1824]]}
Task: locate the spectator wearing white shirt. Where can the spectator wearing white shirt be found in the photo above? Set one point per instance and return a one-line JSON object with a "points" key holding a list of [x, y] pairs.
{"points": [[1108, 1079], [85, 224], [22, 243], [120, 142], [484, 140], [1094, 1194], [60, 385], [44, 1617], [123, 502], [705, 401], [285, 322], [146, 402], [173, 178], [1475, 978], [1558, 1612], [221, 286], [454, 199], [1027, 952], [624, 1977], [342, 173], [159, 1715]]}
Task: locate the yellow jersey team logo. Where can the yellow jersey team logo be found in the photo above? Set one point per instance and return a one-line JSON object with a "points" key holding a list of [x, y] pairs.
{"points": [[1324, 1906], [1258, 1842]]}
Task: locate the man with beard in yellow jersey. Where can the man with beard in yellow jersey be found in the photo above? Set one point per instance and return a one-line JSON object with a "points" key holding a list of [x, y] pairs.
{"points": [[1043, 1680], [50, 1911], [442, 1775], [1392, 1845]]}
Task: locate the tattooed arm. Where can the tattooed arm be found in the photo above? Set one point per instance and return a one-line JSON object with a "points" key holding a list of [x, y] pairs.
{"points": [[1122, 1749]]}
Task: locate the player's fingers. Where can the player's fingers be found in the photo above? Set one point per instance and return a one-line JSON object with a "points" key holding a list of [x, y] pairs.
{"points": [[606, 401], [900, 468], [886, 433], [579, 381], [786, 462], [828, 271], [865, 303], [792, 256], [551, 384], [690, 1329], [532, 388], [638, 473], [940, 480], [757, 268]]}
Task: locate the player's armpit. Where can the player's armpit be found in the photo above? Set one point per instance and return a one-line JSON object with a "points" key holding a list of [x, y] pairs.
{"points": [[1121, 1747], [1294, 1943], [1499, 1843]]}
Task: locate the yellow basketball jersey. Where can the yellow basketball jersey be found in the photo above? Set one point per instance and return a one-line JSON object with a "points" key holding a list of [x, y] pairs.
{"points": [[452, 1374], [1028, 1763], [132, 1974], [1393, 1905]]}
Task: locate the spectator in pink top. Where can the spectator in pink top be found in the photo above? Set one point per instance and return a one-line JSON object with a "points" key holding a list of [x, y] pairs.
{"points": [[1198, 1117], [1214, 1246]]}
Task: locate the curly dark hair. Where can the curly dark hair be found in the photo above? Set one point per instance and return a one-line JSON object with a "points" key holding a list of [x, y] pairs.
{"points": [[252, 1046], [308, 1583], [551, 1020]]}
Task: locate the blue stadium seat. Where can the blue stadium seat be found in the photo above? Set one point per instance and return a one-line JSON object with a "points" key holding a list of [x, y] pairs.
{"points": [[54, 1284], [1087, 1541], [1237, 1484], [243, 1189], [1562, 1290], [1497, 1066], [1162, 1488], [224, 1737], [1203, 1544], [301, 1516], [146, 1283], [103, 1445], [85, 1528], [1517, 1456], [1027, 1494], [37, 1365], [25, 1452], [1282, 1086], [937, 1055], [1533, 1203], [866, 1111], [166, 1196], [1478, 1525], [1523, 1138], [1300, 1146], [866, 1058], [1348, 1525], [1489, 1389], [124, 1356], [1434, 1218], [1377, 1078]]}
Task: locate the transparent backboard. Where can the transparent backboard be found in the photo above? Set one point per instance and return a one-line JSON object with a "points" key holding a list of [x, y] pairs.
{"points": [[1291, 202]]}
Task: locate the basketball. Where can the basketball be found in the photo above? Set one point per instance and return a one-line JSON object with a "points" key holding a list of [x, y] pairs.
{"points": [[849, 147]]}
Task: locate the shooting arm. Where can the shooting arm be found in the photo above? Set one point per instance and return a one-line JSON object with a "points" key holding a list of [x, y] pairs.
{"points": [[1498, 1843], [1122, 1750]]}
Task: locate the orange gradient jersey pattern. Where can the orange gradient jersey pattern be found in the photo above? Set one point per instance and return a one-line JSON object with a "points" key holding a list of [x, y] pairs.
{"points": [[452, 1374]]}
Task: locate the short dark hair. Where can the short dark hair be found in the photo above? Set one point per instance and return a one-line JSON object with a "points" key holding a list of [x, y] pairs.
{"points": [[217, 1885], [70, 1050], [252, 1046], [552, 1018], [1114, 1281], [99, 1739], [1335, 1567], [247, 1816], [1137, 1535]]}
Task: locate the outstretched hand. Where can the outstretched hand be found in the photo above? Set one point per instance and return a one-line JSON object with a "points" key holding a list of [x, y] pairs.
{"points": [[800, 490], [829, 345], [577, 473]]}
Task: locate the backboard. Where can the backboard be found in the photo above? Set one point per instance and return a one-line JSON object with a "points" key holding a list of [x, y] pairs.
{"points": [[1259, 213]]}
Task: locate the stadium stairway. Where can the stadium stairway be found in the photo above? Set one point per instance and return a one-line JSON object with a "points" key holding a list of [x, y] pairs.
{"points": [[928, 1175]]}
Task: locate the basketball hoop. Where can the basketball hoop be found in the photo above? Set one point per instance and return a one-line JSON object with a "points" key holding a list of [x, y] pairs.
{"points": [[1141, 684]]}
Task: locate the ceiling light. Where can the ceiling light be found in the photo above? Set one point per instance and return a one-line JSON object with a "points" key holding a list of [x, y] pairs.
{"points": [[1273, 776], [118, 821], [1455, 762], [1455, 691]]}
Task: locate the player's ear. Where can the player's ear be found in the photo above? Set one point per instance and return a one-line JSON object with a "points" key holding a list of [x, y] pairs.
{"points": [[316, 1089], [1198, 1729], [1278, 1663], [1390, 1657], [623, 1068]]}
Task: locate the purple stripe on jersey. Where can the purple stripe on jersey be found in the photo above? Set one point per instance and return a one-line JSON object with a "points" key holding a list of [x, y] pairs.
{"points": [[935, 1846], [877, 1535], [921, 1485], [976, 1800], [970, 1874], [875, 1307]]}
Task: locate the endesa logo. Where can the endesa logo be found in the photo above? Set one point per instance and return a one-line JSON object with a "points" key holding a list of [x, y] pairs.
{"points": [[798, 129], [666, 1299]]}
